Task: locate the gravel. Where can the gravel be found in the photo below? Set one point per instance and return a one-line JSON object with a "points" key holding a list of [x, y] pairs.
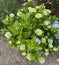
{"points": [[10, 56]]}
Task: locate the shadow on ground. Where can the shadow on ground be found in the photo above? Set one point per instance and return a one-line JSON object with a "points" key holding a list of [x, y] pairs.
{"points": [[10, 56]]}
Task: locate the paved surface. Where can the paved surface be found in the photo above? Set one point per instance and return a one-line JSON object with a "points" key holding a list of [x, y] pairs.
{"points": [[10, 56]]}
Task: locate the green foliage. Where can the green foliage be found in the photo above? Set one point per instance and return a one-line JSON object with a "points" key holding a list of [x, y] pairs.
{"points": [[32, 31], [55, 5], [6, 7], [32, 45]]}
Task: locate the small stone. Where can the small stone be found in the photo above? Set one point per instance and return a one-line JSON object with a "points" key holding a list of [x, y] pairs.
{"points": [[58, 60]]}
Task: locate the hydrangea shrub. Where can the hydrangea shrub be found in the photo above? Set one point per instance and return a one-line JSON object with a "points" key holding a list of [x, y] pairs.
{"points": [[32, 30]]}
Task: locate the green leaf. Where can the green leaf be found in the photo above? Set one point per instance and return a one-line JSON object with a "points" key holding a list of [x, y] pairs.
{"points": [[41, 7], [8, 20], [14, 28], [32, 45], [35, 56], [53, 18]]}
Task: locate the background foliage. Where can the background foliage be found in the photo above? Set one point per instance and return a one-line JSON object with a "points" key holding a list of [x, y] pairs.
{"points": [[6, 7], [55, 7]]}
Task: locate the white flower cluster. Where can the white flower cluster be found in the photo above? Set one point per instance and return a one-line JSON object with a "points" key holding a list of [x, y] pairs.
{"points": [[8, 35]]}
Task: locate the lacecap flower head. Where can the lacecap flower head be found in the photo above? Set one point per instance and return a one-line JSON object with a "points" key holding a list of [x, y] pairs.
{"points": [[38, 15], [8, 35], [31, 10], [38, 32]]}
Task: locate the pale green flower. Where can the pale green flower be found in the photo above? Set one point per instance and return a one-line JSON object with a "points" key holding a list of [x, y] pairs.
{"points": [[29, 0], [46, 50], [18, 42], [45, 23], [55, 49], [42, 60], [49, 26], [38, 32], [43, 40], [21, 9], [37, 7], [12, 15], [31, 10], [24, 53], [50, 45], [8, 35], [46, 53], [22, 47], [28, 56], [38, 15], [10, 42], [46, 11], [18, 13], [46, 37], [24, 3]]}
